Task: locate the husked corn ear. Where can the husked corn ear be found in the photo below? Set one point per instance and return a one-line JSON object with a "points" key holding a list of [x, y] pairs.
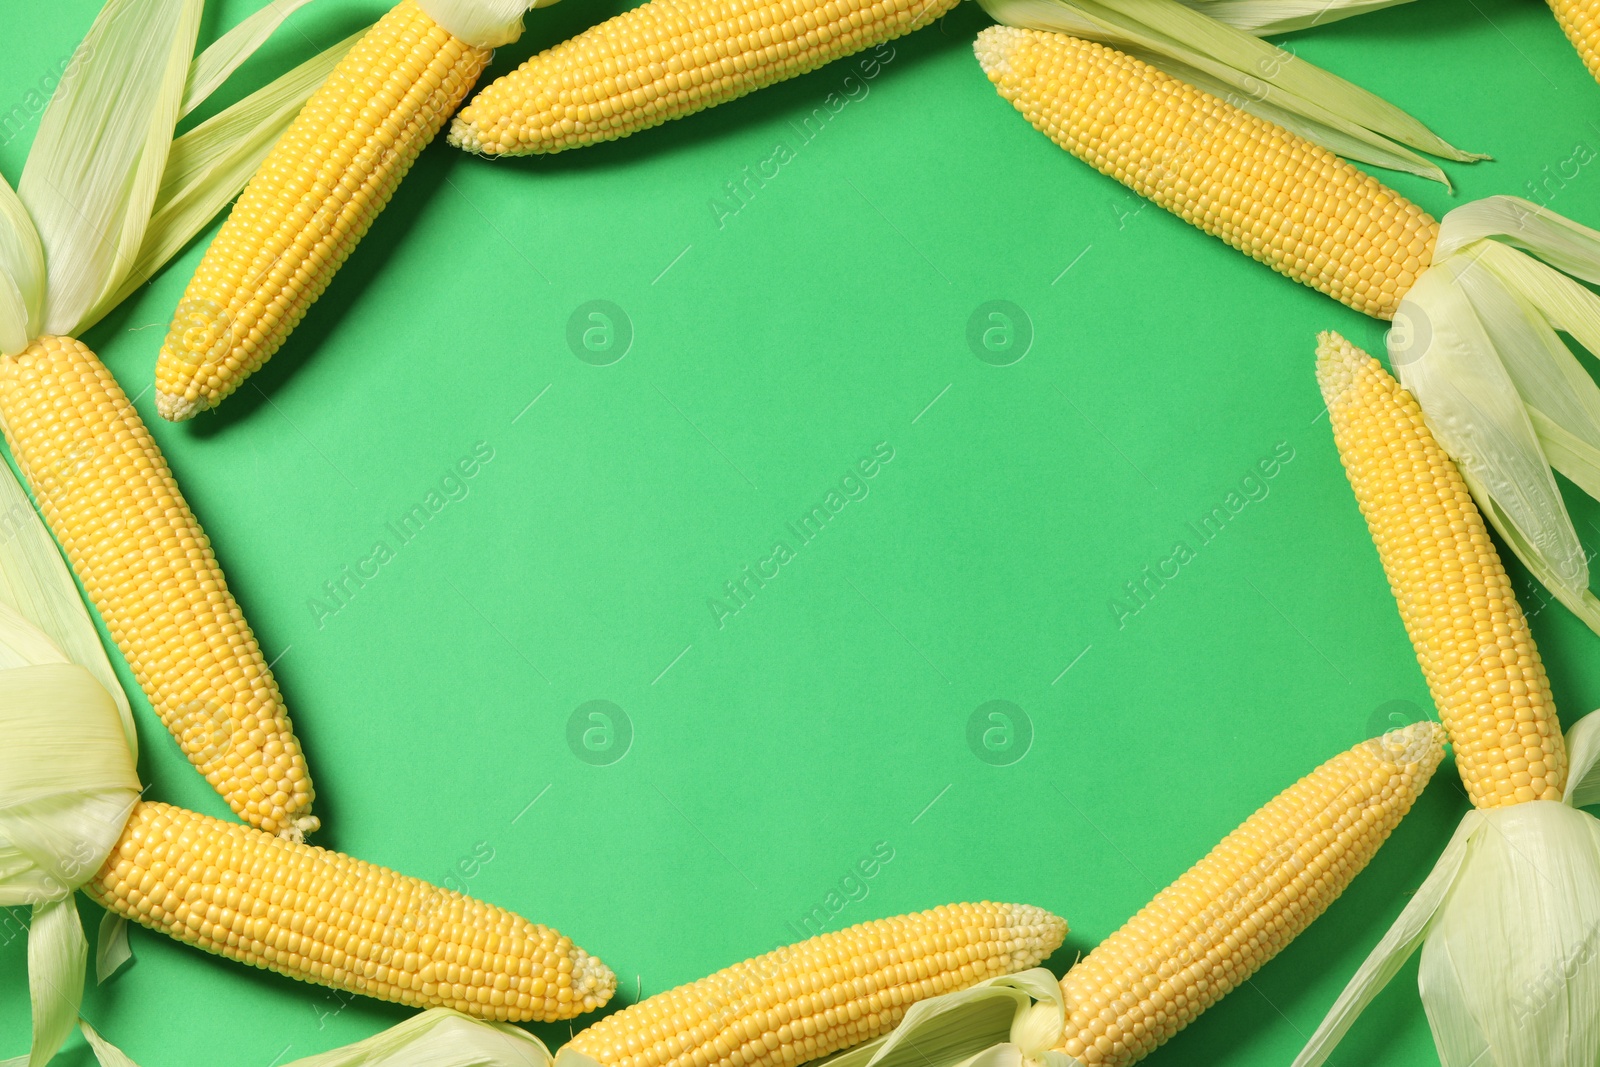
{"points": [[1248, 898], [312, 200], [1277, 198], [814, 998], [1580, 21], [327, 918], [1455, 599], [104, 488], [667, 59]]}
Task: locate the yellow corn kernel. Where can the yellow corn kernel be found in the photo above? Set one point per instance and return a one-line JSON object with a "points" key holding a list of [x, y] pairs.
{"points": [[304, 211], [1580, 21], [1274, 196], [1248, 898], [669, 58], [808, 1000], [104, 488], [1455, 599], [324, 917]]}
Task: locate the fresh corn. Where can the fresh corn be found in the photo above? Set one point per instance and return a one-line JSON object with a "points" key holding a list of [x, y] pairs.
{"points": [[1248, 898], [1278, 198], [669, 58], [108, 496], [313, 199], [814, 998], [323, 917], [1580, 21], [1455, 599]]}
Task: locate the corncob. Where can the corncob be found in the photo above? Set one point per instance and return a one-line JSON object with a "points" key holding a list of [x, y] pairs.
{"points": [[1276, 197], [1580, 21], [811, 999], [323, 917], [669, 58], [107, 494], [1248, 898], [312, 200], [1472, 639]]}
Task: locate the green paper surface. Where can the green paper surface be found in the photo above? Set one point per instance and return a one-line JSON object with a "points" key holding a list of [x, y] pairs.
{"points": [[744, 763]]}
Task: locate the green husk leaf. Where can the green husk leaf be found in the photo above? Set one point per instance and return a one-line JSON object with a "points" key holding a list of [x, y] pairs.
{"points": [[481, 23], [1449, 362], [1510, 971], [112, 951], [1267, 18], [21, 274], [437, 1037], [213, 66], [1247, 72], [36, 585], [1503, 393], [1581, 603], [1583, 762], [96, 163], [950, 1030], [67, 784], [208, 166], [1403, 939]]}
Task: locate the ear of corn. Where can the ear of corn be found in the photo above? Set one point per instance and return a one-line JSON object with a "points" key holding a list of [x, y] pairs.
{"points": [[669, 58], [323, 917], [1580, 21], [1455, 599], [1279, 199], [1248, 898], [146, 565], [312, 200], [822, 995]]}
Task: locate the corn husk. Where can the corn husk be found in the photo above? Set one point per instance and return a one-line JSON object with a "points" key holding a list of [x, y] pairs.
{"points": [[1189, 43], [1509, 927], [481, 23], [437, 1037], [1475, 342], [1265, 18], [107, 195], [67, 784], [1011, 1021]]}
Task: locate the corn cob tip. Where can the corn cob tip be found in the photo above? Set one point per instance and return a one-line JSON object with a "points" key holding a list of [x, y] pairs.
{"points": [[993, 49], [466, 136], [1419, 746], [1337, 363], [297, 830], [592, 980], [175, 408]]}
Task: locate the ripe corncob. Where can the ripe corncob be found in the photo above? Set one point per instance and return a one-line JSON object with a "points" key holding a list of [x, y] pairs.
{"points": [[667, 59], [1276, 197], [1455, 599], [323, 917], [104, 488], [1580, 21], [1247, 899], [312, 200], [797, 1003]]}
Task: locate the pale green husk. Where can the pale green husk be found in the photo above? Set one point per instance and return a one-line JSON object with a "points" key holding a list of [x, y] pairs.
{"points": [[107, 195], [1185, 41], [481, 23], [1012, 1021], [437, 1037], [1264, 18], [1475, 342], [1509, 926]]}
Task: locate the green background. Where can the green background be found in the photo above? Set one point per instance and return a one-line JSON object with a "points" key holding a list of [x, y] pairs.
{"points": [[828, 316]]}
